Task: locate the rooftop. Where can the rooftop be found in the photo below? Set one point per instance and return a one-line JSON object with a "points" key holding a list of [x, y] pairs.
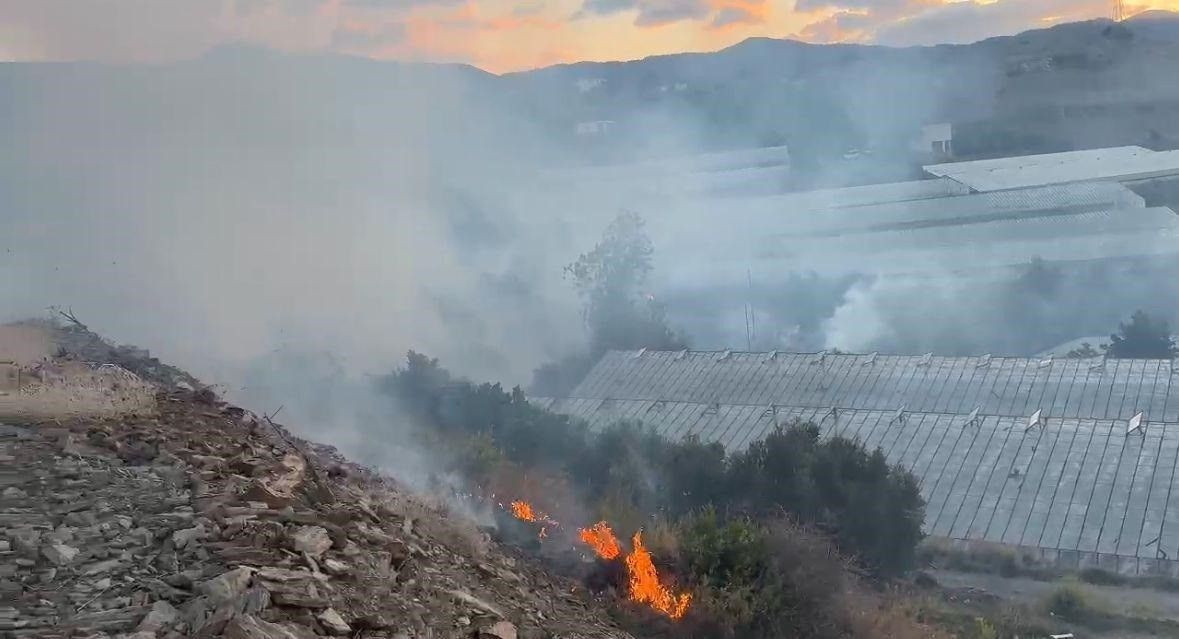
{"points": [[1118, 164], [1065, 455]]}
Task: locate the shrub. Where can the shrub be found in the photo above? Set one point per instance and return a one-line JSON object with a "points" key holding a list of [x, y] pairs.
{"points": [[1101, 577], [1071, 601], [755, 581], [627, 472], [874, 511]]}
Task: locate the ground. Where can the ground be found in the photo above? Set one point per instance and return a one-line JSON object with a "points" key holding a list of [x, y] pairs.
{"points": [[186, 516]]}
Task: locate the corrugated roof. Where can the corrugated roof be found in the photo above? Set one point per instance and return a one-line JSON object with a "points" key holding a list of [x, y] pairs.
{"points": [[1129, 233], [1077, 481], [1120, 164], [1058, 225], [860, 195], [1002, 386]]}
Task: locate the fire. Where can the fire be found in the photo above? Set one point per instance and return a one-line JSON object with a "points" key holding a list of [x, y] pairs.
{"points": [[601, 539], [645, 586], [643, 580], [523, 511]]}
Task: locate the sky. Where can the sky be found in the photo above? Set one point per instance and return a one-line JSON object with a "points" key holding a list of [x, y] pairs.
{"points": [[503, 35]]}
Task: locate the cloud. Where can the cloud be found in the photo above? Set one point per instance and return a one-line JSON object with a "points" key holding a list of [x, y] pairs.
{"points": [[732, 15], [750, 12], [650, 12], [882, 6], [361, 39], [963, 22], [928, 22], [840, 27], [398, 5], [524, 9]]}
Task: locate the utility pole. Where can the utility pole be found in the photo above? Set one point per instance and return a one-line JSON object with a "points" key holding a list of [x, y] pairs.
{"points": [[750, 316]]}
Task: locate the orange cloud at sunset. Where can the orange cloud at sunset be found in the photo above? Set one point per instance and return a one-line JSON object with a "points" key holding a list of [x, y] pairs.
{"points": [[505, 35]]}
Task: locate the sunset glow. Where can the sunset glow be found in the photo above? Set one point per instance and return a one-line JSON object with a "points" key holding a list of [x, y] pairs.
{"points": [[508, 35]]}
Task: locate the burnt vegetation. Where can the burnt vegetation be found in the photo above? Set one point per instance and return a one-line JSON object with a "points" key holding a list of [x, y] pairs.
{"points": [[758, 536]]}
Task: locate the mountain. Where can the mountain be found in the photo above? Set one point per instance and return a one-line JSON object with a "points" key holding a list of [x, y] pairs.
{"points": [[1076, 85]]}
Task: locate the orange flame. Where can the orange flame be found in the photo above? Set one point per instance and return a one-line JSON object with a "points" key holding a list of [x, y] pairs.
{"points": [[523, 511], [601, 539], [643, 580], [645, 586]]}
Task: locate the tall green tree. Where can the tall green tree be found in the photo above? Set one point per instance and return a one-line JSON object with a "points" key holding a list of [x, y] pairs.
{"points": [[611, 280], [619, 311], [1142, 337]]}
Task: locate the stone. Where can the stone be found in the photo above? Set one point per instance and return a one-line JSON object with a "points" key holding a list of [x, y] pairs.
{"points": [[251, 627], [26, 541], [497, 630], [100, 567], [475, 602], [297, 597], [313, 540], [374, 621], [12, 492], [283, 574], [335, 567], [182, 538], [334, 623], [227, 585], [59, 554], [162, 614]]}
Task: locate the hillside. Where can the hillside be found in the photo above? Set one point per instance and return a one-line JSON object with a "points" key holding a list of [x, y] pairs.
{"points": [[193, 517], [1076, 85], [1068, 86]]}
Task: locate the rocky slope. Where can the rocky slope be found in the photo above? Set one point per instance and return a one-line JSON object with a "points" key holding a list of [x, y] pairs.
{"points": [[198, 518]]}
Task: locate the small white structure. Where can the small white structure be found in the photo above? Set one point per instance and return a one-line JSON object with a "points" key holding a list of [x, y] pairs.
{"points": [[936, 139], [585, 85], [596, 127]]}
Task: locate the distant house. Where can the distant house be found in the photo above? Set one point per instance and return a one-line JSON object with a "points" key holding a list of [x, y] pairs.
{"points": [[936, 139], [595, 127], [585, 85]]}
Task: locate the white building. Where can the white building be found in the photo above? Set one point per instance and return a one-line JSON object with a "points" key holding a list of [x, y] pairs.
{"points": [[595, 127], [585, 85], [936, 139]]}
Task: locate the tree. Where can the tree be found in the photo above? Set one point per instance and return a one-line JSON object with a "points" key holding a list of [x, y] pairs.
{"points": [[1142, 337], [618, 310], [611, 281]]}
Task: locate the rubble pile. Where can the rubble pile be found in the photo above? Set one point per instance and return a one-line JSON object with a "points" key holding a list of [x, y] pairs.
{"points": [[203, 519], [76, 341]]}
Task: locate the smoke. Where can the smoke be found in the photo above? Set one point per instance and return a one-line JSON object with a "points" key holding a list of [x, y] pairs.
{"points": [[1019, 311], [219, 209], [246, 214]]}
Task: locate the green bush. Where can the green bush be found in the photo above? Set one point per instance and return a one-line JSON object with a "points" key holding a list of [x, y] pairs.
{"points": [[758, 581], [1071, 601], [873, 511]]}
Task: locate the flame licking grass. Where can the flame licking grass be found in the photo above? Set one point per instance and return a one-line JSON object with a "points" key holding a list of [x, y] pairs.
{"points": [[601, 540], [645, 586], [523, 511], [642, 579]]}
